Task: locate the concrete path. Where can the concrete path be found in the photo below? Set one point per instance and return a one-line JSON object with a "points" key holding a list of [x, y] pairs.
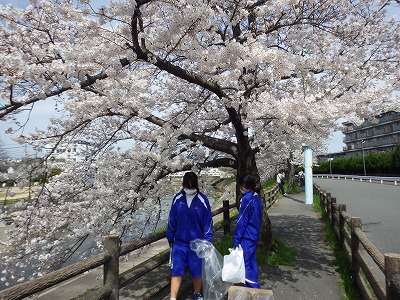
{"points": [[313, 276]]}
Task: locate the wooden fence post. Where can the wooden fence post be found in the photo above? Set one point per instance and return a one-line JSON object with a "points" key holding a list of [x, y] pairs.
{"points": [[333, 211], [342, 208], [227, 223], [328, 205], [392, 274], [355, 243], [323, 198], [111, 267]]}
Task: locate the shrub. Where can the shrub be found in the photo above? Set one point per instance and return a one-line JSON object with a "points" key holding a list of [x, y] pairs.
{"points": [[386, 163]]}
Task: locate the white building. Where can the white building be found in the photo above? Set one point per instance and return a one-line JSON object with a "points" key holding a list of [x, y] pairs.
{"points": [[76, 151]]}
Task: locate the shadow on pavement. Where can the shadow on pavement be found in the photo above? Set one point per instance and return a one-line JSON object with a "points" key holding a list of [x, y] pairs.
{"points": [[313, 275]]}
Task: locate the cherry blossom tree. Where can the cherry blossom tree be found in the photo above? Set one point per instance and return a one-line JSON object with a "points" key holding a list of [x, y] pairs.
{"points": [[191, 84]]}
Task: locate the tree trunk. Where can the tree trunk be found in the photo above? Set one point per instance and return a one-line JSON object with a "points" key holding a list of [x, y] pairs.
{"points": [[265, 241], [291, 173]]}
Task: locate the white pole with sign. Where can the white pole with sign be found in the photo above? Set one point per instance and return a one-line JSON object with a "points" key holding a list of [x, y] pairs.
{"points": [[308, 174]]}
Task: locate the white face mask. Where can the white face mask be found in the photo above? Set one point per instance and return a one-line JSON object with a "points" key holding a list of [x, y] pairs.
{"points": [[190, 191]]}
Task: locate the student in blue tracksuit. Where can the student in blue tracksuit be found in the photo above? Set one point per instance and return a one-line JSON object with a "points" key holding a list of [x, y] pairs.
{"points": [[190, 218], [248, 228]]}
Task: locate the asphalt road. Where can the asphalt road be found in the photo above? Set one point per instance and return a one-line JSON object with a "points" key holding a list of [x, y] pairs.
{"points": [[378, 205]]}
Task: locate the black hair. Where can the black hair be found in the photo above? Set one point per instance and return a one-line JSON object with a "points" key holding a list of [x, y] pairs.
{"points": [[190, 181], [250, 182]]}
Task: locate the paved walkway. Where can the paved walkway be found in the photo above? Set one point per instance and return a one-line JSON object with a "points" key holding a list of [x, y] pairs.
{"points": [[312, 277]]}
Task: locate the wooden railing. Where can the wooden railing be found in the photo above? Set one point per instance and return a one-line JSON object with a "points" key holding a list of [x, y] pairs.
{"points": [[353, 240], [271, 196], [113, 281]]}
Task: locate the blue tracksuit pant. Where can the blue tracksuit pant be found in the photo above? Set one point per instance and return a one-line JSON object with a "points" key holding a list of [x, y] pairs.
{"points": [[249, 253]]}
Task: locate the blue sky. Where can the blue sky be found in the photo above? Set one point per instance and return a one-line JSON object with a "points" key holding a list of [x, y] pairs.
{"points": [[43, 111], [15, 3]]}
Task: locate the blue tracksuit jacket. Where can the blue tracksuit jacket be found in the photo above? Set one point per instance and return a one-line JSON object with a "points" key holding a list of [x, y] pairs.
{"points": [[249, 218], [188, 223], [246, 234]]}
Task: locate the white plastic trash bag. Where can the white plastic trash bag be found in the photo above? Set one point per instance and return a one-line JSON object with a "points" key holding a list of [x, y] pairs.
{"points": [[213, 286], [234, 270]]}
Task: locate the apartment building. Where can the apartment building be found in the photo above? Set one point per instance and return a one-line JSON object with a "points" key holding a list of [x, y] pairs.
{"points": [[381, 134], [372, 136]]}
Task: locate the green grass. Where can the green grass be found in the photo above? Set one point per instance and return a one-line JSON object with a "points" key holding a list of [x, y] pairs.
{"points": [[20, 194], [268, 184], [283, 254], [8, 201], [224, 244], [347, 278]]}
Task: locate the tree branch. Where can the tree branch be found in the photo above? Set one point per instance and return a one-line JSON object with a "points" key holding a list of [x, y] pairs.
{"points": [[213, 143], [162, 64], [13, 107], [220, 162]]}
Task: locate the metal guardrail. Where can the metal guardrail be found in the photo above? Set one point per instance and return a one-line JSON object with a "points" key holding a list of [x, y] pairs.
{"points": [[372, 179]]}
